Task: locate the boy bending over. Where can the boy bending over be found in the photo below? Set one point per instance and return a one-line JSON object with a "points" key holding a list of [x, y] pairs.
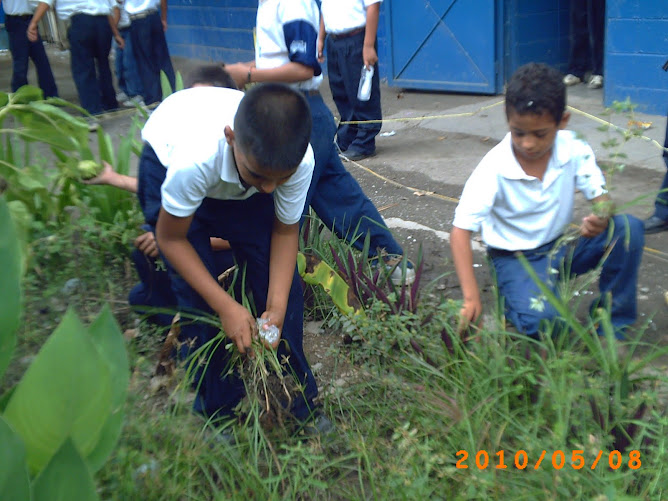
{"points": [[521, 198], [220, 163]]}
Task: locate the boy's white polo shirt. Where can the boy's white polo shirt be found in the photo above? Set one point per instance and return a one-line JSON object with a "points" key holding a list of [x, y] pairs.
{"points": [[515, 211], [137, 6], [19, 7], [65, 9], [341, 16], [187, 134], [287, 30]]}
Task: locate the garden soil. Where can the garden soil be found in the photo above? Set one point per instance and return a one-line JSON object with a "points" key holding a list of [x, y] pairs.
{"points": [[429, 144]]}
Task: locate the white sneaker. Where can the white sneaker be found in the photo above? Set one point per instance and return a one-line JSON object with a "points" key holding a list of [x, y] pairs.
{"points": [[397, 276], [595, 82], [121, 97], [93, 124], [571, 79], [133, 102]]}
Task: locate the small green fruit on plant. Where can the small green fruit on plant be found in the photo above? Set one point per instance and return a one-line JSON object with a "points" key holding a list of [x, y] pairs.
{"points": [[88, 169]]}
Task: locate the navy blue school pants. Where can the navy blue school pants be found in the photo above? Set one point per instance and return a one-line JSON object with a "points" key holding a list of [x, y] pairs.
{"points": [[335, 195], [22, 50], [152, 55], [90, 43], [661, 202], [247, 225], [344, 66], [619, 275], [587, 37], [127, 73]]}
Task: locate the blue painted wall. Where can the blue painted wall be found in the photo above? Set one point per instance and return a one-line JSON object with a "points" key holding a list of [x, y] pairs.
{"points": [[222, 30], [636, 47]]}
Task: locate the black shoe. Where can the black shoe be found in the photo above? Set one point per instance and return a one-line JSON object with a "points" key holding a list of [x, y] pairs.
{"points": [[356, 156], [655, 224]]}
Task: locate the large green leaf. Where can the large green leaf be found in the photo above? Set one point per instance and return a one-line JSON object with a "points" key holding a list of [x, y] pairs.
{"points": [[10, 285], [14, 479], [65, 478], [108, 339], [26, 94], [66, 391]]}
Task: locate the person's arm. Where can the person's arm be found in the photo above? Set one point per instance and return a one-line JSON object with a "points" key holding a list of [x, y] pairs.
{"points": [[596, 223], [110, 177], [163, 14], [32, 32], [369, 50], [282, 262], [462, 255], [113, 23], [237, 322], [321, 40], [245, 73]]}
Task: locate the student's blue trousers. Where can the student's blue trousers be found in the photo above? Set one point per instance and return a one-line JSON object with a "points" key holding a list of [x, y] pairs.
{"points": [[344, 67], [152, 55], [22, 51], [247, 225], [90, 44], [335, 195], [619, 275]]}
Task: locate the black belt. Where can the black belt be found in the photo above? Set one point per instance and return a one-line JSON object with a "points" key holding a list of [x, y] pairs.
{"points": [[142, 15], [20, 16], [336, 36], [311, 92]]}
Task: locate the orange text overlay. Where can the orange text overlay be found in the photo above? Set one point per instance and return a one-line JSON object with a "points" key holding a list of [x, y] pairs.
{"points": [[558, 459]]}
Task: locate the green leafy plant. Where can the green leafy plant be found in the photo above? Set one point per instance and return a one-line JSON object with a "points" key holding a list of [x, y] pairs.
{"points": [[63, 418]]}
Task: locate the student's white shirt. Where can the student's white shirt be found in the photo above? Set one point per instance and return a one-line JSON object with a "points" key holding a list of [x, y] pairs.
{"points": [[299, 21], [515, 211], [187, 134], [341, 16], [124, 19], [18, 7], [137, 6], [67, 8]]}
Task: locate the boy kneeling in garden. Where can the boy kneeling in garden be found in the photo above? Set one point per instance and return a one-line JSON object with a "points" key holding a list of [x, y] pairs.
{"points": [[521, 197], [220, 163]]}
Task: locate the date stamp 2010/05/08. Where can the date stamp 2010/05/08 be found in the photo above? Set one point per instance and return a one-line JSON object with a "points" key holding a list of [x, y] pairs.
{"points": [[557, 460]]}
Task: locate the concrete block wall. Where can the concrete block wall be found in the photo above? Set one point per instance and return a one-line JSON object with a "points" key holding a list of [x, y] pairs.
{"points": [[636, 47]]}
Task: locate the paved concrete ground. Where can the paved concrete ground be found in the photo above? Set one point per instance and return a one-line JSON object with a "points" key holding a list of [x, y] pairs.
{"points": [[430, 143]]}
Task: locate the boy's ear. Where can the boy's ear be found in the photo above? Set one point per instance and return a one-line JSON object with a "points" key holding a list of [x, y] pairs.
{"points": [[229, 135], [564, 120]]}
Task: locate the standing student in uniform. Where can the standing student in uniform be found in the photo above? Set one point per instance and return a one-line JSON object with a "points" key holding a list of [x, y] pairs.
{"points": [[148, 23], [127, 73], [89, 35], [18, 14], [350, 27], [285, 51]]}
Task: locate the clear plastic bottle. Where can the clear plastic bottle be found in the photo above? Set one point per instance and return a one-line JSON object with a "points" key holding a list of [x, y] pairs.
{"points": [[364, 90], [270, 334]]}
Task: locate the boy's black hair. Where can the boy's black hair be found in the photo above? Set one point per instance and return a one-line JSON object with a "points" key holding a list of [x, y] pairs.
{"points": [[536, 88], [273, 125], [214, 75]]}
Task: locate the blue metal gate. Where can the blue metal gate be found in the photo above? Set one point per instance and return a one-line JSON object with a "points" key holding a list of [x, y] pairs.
{"points": [[443, 45]]}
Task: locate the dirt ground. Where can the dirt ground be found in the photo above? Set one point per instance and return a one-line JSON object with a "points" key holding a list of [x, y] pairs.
{"points": [[419, 172]]}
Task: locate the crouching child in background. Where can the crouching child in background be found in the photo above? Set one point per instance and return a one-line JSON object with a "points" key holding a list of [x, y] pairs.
{"points": [[521, 198]]}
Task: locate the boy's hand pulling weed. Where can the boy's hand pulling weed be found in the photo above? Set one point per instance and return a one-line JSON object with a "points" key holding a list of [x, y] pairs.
{"points": [[593, 225], [469, 313], [239, 326]]}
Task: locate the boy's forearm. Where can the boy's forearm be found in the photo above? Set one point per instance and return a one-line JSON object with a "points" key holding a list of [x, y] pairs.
{"points": [[282, 262], [371, 29], [462, 255], [287, 73]]}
